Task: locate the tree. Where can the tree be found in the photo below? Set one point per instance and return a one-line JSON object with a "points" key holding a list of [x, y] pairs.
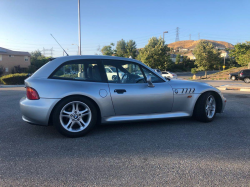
{"points": [[108, 49], [121, 49], [155, 54], [193, 71], [178, 59], [241, 53], [131, 49], [37, 60], [206, 56]]}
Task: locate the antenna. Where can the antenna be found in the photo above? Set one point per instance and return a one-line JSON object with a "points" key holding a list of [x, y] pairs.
{"points": [[59, 45]]}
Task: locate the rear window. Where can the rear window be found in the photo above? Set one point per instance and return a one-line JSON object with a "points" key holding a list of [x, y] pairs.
{"points": [[84, 70], [246, 71]]}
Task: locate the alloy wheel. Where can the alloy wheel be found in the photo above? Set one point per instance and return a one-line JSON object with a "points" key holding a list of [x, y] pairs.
{"points": [[247, 80], [210, 107], [75, 116]]}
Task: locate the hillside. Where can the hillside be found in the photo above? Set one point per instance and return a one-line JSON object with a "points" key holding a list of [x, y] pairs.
{"points": [[190, 44]]}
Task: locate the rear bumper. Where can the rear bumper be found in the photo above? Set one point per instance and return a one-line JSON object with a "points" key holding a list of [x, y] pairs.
{"points": [[37, 111]]}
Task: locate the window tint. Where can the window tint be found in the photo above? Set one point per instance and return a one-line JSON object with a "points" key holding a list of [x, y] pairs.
{"points": [[85, 70], [119, 71], [154, 78], [246, 71]]}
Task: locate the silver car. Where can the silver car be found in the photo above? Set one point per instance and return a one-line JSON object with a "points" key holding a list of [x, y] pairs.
{"points": [[75, 102]]}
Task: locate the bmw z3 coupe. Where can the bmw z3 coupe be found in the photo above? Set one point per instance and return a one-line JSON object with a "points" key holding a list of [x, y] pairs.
{"points": [[75, 102]]}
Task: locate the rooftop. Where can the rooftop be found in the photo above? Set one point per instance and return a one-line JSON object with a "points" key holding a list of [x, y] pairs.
{"points": [[10, 52]]}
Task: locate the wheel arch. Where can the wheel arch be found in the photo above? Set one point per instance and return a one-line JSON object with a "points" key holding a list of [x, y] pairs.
{"points": [[50, 123]]}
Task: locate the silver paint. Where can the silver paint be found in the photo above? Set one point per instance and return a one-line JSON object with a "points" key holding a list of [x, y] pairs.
{"points": [[164, 100]]}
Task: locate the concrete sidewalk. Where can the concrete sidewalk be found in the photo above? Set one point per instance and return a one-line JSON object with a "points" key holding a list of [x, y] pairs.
{"points": [[240, 87]]}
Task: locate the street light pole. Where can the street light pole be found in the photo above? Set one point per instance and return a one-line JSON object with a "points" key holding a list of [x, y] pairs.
{"points": [[163, 36], [79, 29]]}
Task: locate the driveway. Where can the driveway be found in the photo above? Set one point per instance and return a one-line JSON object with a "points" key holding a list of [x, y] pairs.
{"points": [[179, 152]]}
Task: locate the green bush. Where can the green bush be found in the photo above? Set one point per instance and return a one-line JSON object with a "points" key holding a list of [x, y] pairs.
{"points": [[193, 71], [13, 79]]}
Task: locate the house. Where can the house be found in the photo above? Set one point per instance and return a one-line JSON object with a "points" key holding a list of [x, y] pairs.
{"points": [[173, 57], [10, 60], [224, 54], [190, 56]]}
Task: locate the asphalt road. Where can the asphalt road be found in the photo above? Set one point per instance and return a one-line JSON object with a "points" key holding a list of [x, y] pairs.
{"points": [[179, 152], [189, 74]]}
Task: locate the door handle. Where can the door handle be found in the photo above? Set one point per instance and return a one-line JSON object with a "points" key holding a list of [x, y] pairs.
{"points": [[119, 91]]}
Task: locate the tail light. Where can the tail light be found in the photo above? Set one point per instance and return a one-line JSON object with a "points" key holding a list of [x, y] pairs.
{"points": [[173, 74], [241, 74], [32, 93]]}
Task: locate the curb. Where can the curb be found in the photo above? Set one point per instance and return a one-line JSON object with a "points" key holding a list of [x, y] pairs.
{"points": [[11, 86], [245, 89], [235, 88]]}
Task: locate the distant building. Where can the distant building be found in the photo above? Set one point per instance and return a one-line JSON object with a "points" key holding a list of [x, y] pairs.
{"points": [[10, 59], [224, 54], [190, 56], [173, 57]]}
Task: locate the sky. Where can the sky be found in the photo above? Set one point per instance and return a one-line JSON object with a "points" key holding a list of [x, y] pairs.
{"points": [[26, 25]]}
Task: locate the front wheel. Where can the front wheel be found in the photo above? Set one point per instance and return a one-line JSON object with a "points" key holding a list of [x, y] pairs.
{"points": [[246, 80], [205, 108], [74, 116]]}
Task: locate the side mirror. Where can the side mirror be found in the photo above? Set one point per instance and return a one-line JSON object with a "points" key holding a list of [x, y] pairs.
{"points": [[149, 81]]}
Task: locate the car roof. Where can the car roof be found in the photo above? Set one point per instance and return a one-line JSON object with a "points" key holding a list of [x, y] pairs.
{"points": [[49, 67], [76, 57]]}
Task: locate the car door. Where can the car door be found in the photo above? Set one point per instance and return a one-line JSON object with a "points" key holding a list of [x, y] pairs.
{"points": [[130, 93]]}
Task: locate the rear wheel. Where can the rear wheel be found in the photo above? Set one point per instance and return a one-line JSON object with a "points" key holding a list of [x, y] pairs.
{"points": [[233, 78], [205, 108], [247, 80], [75, 116]]}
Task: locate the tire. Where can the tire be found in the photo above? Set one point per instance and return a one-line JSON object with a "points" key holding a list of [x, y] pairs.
{"points": [[75, 116], [203, 106], [247, 80], [233, 78]]}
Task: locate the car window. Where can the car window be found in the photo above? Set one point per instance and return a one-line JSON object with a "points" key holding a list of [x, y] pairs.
{"points": [[108, 70], [247, 71], [154, 77], [123, 72], [85, 70]]}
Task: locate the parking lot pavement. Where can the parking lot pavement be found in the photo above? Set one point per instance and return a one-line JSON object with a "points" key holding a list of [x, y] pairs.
{"points": [[177, 152]]}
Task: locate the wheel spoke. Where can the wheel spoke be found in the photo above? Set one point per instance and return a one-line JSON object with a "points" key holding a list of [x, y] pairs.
{"points": [[81, 121], [211, 100], [66, 116], [67, 112], [69, 124], [85, 114], [73, 107], [77, 107], [83, 111]]}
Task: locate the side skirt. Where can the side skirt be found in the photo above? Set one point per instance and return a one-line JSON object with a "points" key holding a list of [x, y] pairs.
{"points": [[144, 117]]}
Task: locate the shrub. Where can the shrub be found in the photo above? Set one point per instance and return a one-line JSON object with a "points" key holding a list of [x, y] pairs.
{"points": [[193, 71], [12, 79]]}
